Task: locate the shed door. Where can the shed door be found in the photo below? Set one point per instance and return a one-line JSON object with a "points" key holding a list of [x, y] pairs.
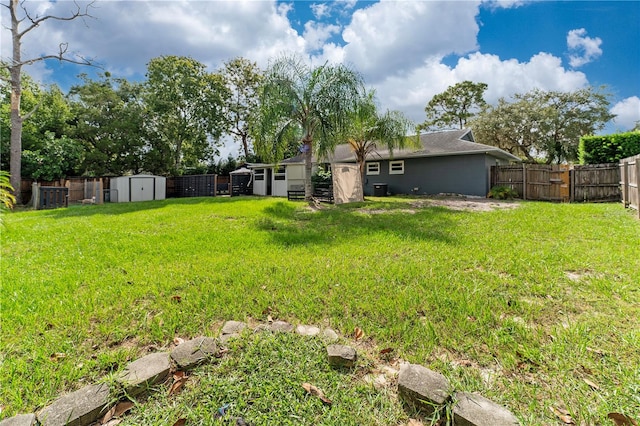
{"points": [[142, 189]]}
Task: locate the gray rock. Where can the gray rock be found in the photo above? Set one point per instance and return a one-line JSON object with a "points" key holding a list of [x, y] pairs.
{"points": [[281, 326], [78, 408], [307, 330], [329, 335], [233, 327], [476, 410], [341, 356], [145, 372], [191, 353], [422, 388], [20, 420]]}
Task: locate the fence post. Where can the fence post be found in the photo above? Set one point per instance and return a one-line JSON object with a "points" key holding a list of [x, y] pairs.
{"points": [[35, 195], [524, 181], [638, 183], [215, 185], [572, 184], [625, 183]]}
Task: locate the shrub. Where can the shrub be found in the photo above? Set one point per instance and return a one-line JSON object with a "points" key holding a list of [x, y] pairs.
{"points": [[608, 149], [501, 192]]}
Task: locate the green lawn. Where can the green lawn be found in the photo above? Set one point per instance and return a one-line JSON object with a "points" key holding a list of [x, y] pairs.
{"points": [[521, 305]]}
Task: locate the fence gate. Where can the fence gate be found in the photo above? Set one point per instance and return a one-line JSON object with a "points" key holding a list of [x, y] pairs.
{"points": [[547, 182]]}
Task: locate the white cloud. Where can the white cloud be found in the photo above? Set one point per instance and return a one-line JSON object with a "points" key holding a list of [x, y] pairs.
{"points": [[316, 34], [320, 10], [504, 4], [627, 112], [582, 49], [395, 37], [504, 78]]}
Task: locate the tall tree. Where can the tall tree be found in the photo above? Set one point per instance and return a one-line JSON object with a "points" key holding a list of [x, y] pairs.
{"points": [[110, 124], [369, 130], [545, 124], [19, 14], [242, 78], [455, 106], [186, 105], [300, 103]]}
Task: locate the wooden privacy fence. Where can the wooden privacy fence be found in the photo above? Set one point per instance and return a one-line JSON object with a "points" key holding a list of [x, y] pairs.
{"points": [[560, 182], [630, 182]]}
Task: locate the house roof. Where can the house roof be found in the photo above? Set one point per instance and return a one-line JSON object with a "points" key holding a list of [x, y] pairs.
{"points": [[438, 144]]}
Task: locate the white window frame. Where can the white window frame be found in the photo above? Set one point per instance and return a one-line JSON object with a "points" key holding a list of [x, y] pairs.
{"points": [[259, 174], [373, 168], [280, 173], [399, 165]]}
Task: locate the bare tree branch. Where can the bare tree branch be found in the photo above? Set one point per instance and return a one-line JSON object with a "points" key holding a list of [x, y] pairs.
{"points": [[37, 20]]}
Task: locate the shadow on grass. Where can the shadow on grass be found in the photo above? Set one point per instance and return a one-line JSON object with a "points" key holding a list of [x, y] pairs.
{"points": [[288, 225], [78, 210]]}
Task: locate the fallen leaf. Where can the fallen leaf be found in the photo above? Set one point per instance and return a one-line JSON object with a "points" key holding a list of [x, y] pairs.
{"points": [[178, 341], [56, 356], [179, 379], [312, 390], [622, 420], [269, 318], [596, 351], [180, 422], [176, 298], [592, 384], [358, 333], [465, 363], [117, 410], [563, 415], [413, 422], [386, 351], [113, 422]]}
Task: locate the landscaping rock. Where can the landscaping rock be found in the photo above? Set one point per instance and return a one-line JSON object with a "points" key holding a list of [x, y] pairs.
{"points": [[341, 356], [145, 372], [328, 335], [78, 408], [307, 330], [20, 420], [281, 327], [476, 410], [422, 388], [191, 353], [233, 327]]}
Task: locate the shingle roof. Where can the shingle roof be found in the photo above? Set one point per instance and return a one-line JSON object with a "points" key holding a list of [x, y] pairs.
{"points": [[451, 142]]}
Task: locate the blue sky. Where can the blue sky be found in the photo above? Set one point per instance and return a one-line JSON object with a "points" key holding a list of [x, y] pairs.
{"points": [[407, 50]]}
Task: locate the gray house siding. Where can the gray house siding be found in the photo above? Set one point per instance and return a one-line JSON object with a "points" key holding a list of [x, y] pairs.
{"points": [[457, 174]]}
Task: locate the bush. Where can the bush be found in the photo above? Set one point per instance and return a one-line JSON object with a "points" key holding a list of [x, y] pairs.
{"points": [[502, 193], [321, 176], [608, 149]]}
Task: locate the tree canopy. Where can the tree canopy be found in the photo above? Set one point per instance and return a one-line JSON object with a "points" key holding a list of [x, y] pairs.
{"points": [[455, 106], [308, 106], [543, 124], [242, 79], [185, 107]]}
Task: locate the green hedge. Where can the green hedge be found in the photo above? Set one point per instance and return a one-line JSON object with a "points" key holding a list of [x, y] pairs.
{"points": [[608, 149]]}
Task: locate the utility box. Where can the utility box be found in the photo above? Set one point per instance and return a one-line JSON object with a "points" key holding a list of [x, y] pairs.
{"points": [[380, 189], [126, 189]]}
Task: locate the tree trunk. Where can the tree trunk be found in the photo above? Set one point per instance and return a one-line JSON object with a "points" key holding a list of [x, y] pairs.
{"points": [[15, 155], [308, 187]]}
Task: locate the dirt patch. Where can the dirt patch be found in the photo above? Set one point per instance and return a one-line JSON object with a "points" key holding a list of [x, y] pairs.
{"points": [[466, 203]]}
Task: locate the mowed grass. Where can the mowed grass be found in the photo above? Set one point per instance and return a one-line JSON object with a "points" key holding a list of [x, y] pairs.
{"points": [[531, 306]]}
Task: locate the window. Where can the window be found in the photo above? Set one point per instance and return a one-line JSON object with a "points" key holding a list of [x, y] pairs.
{"points": [[279, 174], [396, 167], [259, 174], [373, 168]]}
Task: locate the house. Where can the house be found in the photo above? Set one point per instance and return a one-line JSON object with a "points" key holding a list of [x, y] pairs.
{"points": [[277, 179], [445, 162]]}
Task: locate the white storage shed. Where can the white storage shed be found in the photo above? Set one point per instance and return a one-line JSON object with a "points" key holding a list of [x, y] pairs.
{"points": [[125, 189]]}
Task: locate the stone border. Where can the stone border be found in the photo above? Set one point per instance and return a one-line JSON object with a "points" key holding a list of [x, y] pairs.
{"points": [[419, 387]]}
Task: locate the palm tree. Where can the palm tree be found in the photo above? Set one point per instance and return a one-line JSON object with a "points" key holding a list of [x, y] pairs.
{"points": [[370, 130], [303, 105], [7, 199]]}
